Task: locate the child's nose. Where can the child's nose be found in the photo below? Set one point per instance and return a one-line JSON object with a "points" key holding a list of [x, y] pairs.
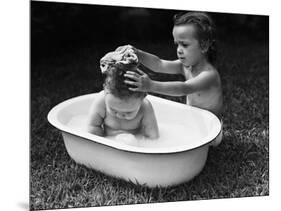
{"points": [[179, 50]]}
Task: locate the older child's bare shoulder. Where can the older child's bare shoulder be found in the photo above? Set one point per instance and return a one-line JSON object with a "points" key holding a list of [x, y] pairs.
{"points": [[213, 73], [207, 74]]}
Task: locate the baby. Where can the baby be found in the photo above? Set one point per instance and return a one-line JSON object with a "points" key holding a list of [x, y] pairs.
{"points": [[118, 110]]}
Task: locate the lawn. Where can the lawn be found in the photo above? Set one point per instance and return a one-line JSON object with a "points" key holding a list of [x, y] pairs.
{"points": [[239, 167]]}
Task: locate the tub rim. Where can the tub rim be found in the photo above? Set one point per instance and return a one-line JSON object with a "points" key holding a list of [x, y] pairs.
{"points": [[53, 120]]}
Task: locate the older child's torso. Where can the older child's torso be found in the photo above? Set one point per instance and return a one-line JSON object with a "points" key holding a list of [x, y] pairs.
{"points": [[114, 126], [209, 99]]}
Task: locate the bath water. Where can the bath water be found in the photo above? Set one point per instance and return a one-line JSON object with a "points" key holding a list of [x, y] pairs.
{"points": [[170, 134]]}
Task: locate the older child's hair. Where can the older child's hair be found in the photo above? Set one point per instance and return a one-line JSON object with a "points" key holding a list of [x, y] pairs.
{"points": [[205, 30], [114, 82]]}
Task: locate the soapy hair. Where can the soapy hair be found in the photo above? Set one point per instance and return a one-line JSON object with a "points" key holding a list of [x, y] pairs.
{"points": [[114, 65], [205, 30]]}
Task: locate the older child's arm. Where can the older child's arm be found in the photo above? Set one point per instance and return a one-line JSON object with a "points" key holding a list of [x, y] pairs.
{"points": [[156, 64], [149, 123], [153, 62], [142, 82], [96, 117]]}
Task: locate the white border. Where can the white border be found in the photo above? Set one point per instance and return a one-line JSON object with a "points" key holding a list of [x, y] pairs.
{"points": [[14, 88], [210, 6]]}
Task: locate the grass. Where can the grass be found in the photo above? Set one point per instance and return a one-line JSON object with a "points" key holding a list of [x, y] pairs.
{"points": [[239, 167]]}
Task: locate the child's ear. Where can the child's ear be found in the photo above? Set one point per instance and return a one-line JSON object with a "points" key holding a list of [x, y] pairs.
{"points": [[205, 45]]}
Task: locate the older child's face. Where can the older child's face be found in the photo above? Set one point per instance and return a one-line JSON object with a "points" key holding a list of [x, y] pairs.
{"points": [[189, 51], [122, 109]]}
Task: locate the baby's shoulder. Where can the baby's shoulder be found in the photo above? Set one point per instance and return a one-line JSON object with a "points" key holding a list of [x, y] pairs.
{"points": [[98, 102], [146, 102], [100, 97], [146, 106]]}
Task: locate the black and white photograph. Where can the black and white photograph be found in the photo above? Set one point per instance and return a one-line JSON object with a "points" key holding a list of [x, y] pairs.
{"points": [[138, 105]]}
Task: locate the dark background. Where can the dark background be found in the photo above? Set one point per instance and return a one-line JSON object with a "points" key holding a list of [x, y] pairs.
{"points": [[60, 27]]}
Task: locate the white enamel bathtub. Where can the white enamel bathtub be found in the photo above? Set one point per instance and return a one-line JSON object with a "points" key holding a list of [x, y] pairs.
{"points": [[154, 164]]}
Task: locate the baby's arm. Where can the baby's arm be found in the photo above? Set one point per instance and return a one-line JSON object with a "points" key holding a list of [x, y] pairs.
{"points": [[149, 122], [96, 117]]}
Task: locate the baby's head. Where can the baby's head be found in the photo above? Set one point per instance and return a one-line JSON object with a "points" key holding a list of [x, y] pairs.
{"points": [[204, 30], [120, 101]]}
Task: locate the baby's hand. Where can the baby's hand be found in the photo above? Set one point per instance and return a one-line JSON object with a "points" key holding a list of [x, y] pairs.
{"points": [[141, 81]]}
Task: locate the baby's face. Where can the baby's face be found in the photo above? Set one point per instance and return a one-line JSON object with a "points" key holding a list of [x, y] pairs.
{"points": [[122, 109], [189, 51]]}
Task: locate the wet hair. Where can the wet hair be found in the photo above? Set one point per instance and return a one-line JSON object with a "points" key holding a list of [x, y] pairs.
{"points": [[205, 30], [114, 82]]}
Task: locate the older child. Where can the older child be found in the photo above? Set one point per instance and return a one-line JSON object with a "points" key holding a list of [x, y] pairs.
{"points": [[194, 37], [117, 110]]}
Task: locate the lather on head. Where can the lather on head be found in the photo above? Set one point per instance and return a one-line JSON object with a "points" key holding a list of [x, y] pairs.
{"points": [[114, 65]]}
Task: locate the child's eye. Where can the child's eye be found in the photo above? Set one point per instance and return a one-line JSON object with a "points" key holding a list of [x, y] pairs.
{"points": [[184, 45]]}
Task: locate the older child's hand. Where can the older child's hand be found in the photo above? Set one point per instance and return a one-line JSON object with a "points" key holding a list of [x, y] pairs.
{"points": [[140, 80]]}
